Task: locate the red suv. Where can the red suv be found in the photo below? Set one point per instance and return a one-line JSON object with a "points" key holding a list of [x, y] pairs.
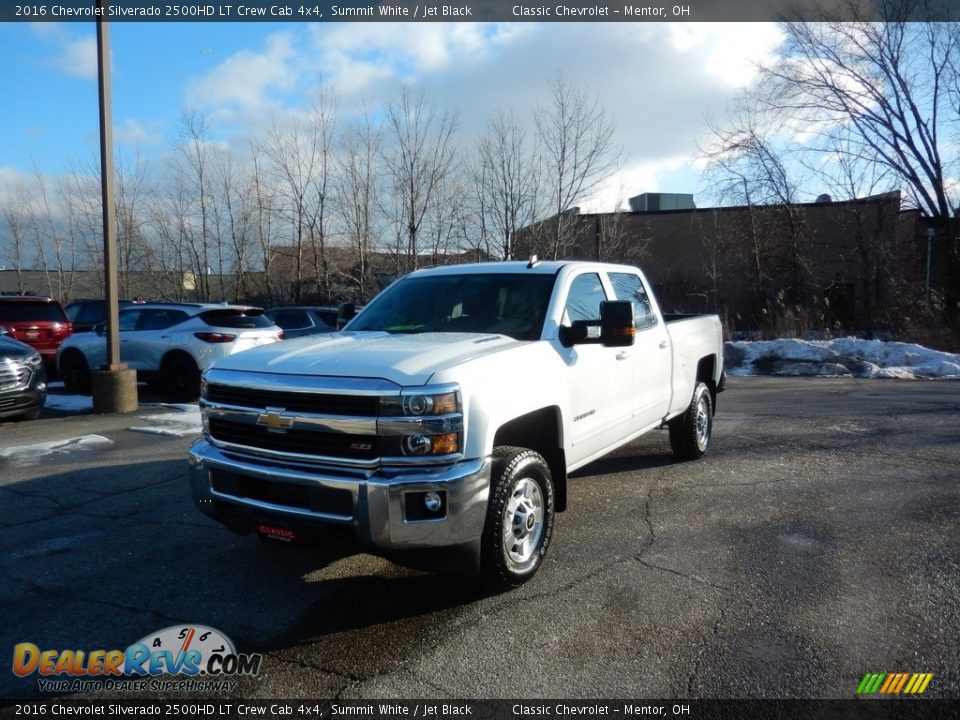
{"points": [[37, 321]]}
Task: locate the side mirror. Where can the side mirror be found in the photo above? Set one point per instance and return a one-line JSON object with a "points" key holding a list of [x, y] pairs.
{"points": [[100, 328], [616, 328], [616, 323], [3, 330]]}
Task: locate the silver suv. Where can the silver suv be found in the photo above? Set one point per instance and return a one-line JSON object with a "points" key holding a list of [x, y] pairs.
{"points": [[168, 344]]}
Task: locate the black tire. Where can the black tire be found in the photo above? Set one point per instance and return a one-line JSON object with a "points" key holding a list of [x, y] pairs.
{"points": [[521, 494], [180, 378], [690, 432], [75, 372]]}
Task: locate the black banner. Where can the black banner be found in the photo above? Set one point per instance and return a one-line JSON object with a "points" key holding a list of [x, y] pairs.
{"points": [[873, 709], [477, 10]]}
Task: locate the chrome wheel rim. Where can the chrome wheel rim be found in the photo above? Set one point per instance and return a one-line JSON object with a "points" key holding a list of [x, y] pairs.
{"points": [[703, 423], [523, 525]]}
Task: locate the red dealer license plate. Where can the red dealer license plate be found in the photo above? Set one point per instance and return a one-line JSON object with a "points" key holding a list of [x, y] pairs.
{"points": [[276, 533]]}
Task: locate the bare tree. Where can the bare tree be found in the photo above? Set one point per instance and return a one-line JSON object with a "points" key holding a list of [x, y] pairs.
{"points": [[299, 150], [419, 158], [16, 199], [192, 179], [356, 186], [887, 91], [507, 178], [579, 153], [264, 204]]}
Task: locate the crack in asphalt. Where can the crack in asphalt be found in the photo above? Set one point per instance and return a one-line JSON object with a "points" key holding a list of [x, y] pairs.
{"points": [[64, 509], [73, 597], [698, 660], [348, 679]]}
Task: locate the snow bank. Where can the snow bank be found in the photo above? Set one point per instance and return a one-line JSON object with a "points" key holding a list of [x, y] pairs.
{"points": [[183, 422], [32, 454], [69, 403], [844, 357]]}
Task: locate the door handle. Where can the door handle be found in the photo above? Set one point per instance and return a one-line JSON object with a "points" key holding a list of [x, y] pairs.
{"points": [[623, 355], [664, 344]]}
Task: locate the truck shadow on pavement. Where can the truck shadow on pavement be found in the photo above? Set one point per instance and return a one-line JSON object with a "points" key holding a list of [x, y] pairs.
{"points": [[97, 558]]}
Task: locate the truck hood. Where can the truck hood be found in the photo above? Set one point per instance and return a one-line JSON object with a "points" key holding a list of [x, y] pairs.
{"points": [[402, 359]]}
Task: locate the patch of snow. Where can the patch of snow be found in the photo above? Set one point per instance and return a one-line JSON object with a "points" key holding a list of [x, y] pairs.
{"points": [[32, 454], [69, 403], [845, 357], [184, 421]]}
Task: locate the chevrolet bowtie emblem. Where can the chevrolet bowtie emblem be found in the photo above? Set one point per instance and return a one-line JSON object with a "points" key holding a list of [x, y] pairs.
{"points": [[274, 420]]}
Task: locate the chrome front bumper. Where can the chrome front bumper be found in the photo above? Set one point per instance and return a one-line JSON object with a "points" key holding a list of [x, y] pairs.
{"points": [[379, 514]]}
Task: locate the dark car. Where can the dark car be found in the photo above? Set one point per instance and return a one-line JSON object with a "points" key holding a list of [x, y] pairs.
{"points": [[23, 381], [87, 314], [39, 322], [310, 319]]}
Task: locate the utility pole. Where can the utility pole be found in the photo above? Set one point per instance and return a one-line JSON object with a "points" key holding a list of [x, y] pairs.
{"points": [[930, 233], [114, 385]]}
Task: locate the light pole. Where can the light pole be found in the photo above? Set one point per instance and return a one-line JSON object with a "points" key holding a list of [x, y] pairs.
{"points": [[930, 233], [114, 385]]}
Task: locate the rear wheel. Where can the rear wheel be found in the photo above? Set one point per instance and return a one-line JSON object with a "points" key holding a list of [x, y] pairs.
{"points": [[690, 432], [180, 378], [519, 518], [74, 372]]}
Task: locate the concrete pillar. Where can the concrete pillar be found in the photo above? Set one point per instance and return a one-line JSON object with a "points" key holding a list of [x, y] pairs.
{"points": [[115, 391]]}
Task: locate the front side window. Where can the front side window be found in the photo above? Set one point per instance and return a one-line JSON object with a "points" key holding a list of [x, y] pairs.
{"points": [[627, 286], [583, 301], [128, 320], [505, 304]]}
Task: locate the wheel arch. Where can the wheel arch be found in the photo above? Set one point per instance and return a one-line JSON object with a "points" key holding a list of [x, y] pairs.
{"points": [[175, 353], [707, 374], [541, 431]]}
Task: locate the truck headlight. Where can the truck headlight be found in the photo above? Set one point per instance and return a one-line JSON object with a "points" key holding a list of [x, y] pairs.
{"points": [[34, 360], [421, 422], [420, 404]]}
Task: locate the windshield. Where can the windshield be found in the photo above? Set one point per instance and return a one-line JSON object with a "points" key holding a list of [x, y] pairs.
{"points": [[513, 305]]}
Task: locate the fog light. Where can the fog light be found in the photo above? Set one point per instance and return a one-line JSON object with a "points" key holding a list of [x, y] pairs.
{"points": [[432, 502], [417, 444]]}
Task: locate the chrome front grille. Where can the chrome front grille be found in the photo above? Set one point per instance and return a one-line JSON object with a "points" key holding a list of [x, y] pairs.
{"points": [[317, 403], [294, 440], [13, 375], [298, 419]]}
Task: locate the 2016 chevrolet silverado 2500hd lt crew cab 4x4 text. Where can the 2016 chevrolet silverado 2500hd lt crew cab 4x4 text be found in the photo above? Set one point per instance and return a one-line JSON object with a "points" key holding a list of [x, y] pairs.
{"points": [[442, 422]]}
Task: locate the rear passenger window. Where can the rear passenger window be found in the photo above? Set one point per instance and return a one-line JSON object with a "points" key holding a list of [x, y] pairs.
{"points": [[292, 319], [236, 318], [627, 286], [583, 302], [159, 319]]}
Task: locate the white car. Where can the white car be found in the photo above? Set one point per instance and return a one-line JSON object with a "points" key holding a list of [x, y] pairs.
{"points": [[168, 344]]}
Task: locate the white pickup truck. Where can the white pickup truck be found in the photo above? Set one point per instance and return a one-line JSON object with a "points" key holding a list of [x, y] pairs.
{"points": [[441, 424]]}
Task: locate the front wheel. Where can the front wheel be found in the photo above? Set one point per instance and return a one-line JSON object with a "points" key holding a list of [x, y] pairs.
{"points": [[519, 518], [180, 378], [74, 372], [690, 432]]}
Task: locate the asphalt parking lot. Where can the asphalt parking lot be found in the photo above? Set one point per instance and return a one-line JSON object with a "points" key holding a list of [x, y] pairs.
{"points": [[818, 541]]}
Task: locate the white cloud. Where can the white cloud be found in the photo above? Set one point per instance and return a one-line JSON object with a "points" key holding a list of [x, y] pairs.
{"points": [[79, 57], [728, 51], [133, 132], [76, 56], [247, 80]]}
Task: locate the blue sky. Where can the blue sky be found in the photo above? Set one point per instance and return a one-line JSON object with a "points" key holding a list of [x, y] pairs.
{"points": [[657, 81]]}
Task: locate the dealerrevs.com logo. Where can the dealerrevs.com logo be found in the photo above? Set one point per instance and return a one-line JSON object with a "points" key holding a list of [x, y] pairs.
{"points": [[187, 657]]}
